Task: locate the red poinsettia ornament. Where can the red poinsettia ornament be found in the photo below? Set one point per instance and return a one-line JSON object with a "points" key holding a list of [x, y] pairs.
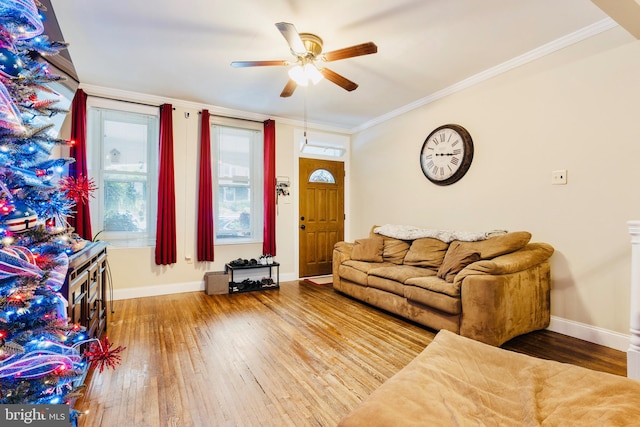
{"points": [[101, 355], [78, 189]]}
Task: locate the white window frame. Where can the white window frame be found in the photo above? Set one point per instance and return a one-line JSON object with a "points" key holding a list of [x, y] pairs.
{"points": [[256, 186], [95, 163]]}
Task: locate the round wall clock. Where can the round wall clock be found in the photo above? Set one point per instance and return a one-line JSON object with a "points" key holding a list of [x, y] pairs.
{"points": [[446, 154]]}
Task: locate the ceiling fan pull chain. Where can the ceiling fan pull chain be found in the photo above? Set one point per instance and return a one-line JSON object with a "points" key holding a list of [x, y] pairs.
{"points": [[306, 89]]}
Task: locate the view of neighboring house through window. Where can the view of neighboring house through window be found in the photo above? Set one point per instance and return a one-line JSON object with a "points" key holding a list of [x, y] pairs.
{"points": [[123, 157], [237, 163]]}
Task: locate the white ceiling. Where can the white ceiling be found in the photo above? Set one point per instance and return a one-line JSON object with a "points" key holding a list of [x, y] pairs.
{"points": [[182, 49]]}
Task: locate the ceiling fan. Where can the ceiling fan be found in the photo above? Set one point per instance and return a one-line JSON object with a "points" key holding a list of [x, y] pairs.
{"points": [[307, 48]]}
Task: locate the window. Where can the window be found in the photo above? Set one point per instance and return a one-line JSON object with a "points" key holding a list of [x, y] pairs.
{"points": [[322, 144], [123, 161], [322, 175], [237, 163]]}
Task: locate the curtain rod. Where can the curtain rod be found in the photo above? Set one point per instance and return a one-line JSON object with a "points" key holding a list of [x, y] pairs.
{"points": [[123, 100], [154, 105], [233, 118]]}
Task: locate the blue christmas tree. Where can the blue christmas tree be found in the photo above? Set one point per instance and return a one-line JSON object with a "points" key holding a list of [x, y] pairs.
{"points": [[41, 354]]}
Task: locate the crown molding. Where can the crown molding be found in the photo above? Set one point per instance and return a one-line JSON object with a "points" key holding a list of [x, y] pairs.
{"points": [[532, 55]]}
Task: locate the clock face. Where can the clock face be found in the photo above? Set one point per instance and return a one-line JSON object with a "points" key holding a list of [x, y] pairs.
{"points": [[446, 154]]}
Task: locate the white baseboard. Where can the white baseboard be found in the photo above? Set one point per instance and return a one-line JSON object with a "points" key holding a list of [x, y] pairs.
{"points": [[593, 334], [173, 288], [151, 291]]}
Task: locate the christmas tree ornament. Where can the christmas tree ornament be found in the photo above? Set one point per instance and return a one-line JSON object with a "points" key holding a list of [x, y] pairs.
{"points": [[10, 63], [78, 189], [101, 355], [21, 218]]}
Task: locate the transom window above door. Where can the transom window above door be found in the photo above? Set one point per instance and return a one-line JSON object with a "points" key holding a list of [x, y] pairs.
{"points": [[318, 144]]}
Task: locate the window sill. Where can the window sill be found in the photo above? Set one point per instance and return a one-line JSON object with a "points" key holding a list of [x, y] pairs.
{"points": [[227, 242], [130, 243]]}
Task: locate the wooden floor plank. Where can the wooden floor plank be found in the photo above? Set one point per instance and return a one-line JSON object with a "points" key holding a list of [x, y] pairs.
{"points": [[302, 355]]}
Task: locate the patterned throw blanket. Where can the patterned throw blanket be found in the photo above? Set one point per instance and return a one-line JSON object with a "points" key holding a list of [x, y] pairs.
{"points": [[409, 232]]}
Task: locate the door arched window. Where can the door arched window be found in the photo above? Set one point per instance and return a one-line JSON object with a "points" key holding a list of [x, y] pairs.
{"points": [[322, 175]]}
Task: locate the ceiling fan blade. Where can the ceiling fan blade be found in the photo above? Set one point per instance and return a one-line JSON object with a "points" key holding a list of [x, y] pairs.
{"points": [[239, 64], [350, 52], [288, 89], [292, 37], [336, 78]]}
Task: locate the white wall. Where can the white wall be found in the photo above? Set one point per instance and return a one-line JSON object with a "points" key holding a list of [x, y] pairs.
{"points": [[575, 109]]}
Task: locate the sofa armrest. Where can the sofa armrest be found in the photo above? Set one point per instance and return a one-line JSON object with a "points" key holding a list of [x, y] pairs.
{"points": [[342, 250], [507, 296], [520, 260], [341, 253]]}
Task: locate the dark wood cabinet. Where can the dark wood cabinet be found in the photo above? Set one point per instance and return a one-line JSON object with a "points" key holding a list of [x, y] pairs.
{"points": [[86, 291]]}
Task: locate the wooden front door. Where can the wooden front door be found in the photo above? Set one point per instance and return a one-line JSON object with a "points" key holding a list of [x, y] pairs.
{"points": [[321, 222]]}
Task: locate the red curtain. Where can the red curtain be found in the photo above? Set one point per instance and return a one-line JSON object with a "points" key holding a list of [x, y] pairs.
{"points": [[166, 222], [82, 220], [269, 234], [205, 193]]}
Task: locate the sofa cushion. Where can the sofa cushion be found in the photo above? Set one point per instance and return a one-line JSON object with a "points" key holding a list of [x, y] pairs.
{"points": [[394, 250], [426, 252], [356, 271], [436, 300], [499, 245], [457, 258], [387, 285], [435, 284], [369, 250], [400, 273]]}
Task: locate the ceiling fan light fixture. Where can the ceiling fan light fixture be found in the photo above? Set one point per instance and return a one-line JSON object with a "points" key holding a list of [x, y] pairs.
{"points": [[307, 50], [298, 75], [312, 73], [302, 75]]}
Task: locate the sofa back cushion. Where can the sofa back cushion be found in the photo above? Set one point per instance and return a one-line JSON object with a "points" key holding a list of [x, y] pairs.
{"points": [[394, 250], [369, 250], [498, 245], [426, 252], [457, 258]]}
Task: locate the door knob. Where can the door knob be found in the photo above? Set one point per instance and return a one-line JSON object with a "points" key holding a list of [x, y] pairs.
{"points": [[302, 227]]}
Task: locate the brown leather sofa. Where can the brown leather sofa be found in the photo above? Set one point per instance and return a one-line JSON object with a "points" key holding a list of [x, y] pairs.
{"points": [[490, 289]]}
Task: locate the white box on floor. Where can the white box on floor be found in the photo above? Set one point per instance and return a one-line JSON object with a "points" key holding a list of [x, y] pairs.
{"points": [[216, 282]]}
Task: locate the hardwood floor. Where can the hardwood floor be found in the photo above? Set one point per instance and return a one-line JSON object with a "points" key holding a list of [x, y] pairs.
{"points": [[302, 355]]}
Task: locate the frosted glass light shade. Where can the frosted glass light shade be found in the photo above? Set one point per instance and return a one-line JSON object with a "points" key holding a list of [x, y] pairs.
{"points": [[312, 73], [302, 75], [297, 75]]}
